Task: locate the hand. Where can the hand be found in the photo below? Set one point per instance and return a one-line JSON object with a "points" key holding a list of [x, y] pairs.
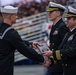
{"points": [[48, 53], [35, 44], [48, 62]]}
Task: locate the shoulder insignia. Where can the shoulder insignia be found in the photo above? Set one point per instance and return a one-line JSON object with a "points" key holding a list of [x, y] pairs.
{"points": [[70, 38]]}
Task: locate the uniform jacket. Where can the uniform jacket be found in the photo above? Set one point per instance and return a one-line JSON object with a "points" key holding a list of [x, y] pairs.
{"points": [[10, 40], [68, 53], [56, 35]]}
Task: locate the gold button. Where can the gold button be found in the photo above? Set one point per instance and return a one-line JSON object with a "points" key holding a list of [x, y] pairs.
{"points": [[65, 64], [62, 64], [52, 49], [61, 54], [52, 43]]}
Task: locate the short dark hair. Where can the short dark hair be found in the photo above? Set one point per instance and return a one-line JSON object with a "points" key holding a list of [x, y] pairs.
{"points": [[74, 17], [61, 12]]}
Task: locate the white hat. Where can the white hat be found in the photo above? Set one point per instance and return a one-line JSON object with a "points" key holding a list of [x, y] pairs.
{"points": [[9, 9], [71, 12], [54, 6]]}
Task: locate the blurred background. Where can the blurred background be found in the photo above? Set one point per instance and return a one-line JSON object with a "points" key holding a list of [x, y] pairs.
{"points": [[33, 25]]}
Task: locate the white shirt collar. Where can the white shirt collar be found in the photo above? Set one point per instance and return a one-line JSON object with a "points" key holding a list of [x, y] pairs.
{"points": [[56, 21], [72, 29]]}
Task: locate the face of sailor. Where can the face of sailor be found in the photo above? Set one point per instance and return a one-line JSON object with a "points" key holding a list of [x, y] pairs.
{"points": [[53, 16], [71, 22], [13, 18]]}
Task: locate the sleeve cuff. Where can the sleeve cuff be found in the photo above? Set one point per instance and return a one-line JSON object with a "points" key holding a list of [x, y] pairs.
{"points": [[54, 61], [57, 55]]}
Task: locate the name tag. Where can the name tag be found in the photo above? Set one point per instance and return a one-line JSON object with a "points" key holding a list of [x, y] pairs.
{"points": [[55, 32]]}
